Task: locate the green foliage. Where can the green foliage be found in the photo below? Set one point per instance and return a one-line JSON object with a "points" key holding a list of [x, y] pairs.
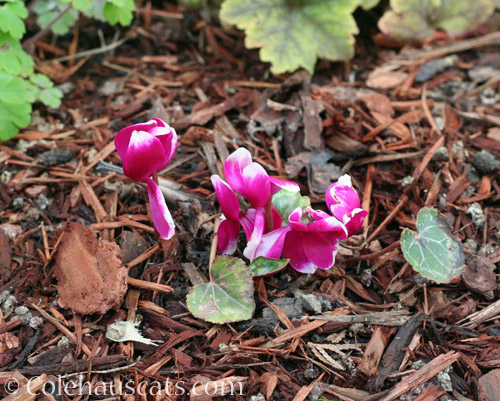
{"points": [[19, 86], [41, 88], [48, 10], [11, 19], [266, 266], [228, 297], [285, 201], [119, 11], [433, 251], [416, 20], [292, 33], [112, 11], [15, 110]]}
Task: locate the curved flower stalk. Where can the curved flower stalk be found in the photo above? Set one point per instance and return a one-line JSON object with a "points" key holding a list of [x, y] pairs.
{"points": [[145, 149], [250, 180]]}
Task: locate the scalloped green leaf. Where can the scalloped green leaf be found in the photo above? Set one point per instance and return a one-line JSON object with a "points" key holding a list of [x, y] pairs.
{"points": [[119, 11], [12, 89], [48, 10], [9, 62], [12, 15], [81, 5], [262, 266], [285, 201], [41, 88], [12, 117], [417, 20], [228, 296], [433, 251], [293, 33]]}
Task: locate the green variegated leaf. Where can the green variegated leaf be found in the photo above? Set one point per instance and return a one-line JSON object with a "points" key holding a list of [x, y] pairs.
{"points": [[262, 266], [416, 20], [228, 297], [285, 201], [433, 251]]}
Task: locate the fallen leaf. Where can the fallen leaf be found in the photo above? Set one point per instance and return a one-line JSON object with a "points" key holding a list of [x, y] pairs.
{"points": [[90, 272], [376, 102], [479, 276], [383, 79]]}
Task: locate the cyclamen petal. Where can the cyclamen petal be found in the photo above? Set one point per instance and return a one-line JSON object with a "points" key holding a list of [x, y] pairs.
{"points": [[294, 250], [271, 244], [227, 236], [277, 185], [318, 222], [257, 188], [122, 139], [257, 233], [228, 200], [355, 221], [162, 218], [233, 168], [342, 199], [142, 145], [320, 249]]}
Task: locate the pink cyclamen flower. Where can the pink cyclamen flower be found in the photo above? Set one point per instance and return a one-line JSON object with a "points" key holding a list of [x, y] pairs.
{"points": [[312, 238], [343, 202], [252, 182], [145, 149]]}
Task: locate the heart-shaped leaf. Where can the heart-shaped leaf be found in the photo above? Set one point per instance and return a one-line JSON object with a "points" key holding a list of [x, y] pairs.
{"points": [[262, 266], [433, 251], [228, 297], [285, 201]]}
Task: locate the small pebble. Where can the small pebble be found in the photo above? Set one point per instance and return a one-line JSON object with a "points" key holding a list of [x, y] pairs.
{"points": [[485, 162], [477, 214]]}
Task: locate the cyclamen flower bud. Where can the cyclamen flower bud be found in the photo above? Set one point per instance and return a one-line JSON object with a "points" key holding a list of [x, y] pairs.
{"points": [[145, 149]]}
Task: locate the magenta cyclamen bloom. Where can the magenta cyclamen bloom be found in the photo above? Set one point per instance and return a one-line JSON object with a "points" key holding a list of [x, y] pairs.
{"points": [[145, 149], [344, 203], [252, 182], [312, 241]]}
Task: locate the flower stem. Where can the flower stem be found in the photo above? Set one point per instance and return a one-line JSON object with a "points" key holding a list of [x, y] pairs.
{"points": [[269, 216], [213, 248]]}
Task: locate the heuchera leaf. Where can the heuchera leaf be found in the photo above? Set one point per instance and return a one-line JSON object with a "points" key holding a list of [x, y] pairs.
{"points": [[433, 251], [228, 297], [285, 201], [293, 33], [417, 20], [262, 266]]}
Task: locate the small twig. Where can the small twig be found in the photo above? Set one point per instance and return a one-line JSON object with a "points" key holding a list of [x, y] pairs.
{"points": [[93, 52], [41, 34]]}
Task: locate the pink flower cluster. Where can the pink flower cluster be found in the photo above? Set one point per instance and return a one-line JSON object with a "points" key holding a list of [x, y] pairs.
{"points": [[309, 238]]}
